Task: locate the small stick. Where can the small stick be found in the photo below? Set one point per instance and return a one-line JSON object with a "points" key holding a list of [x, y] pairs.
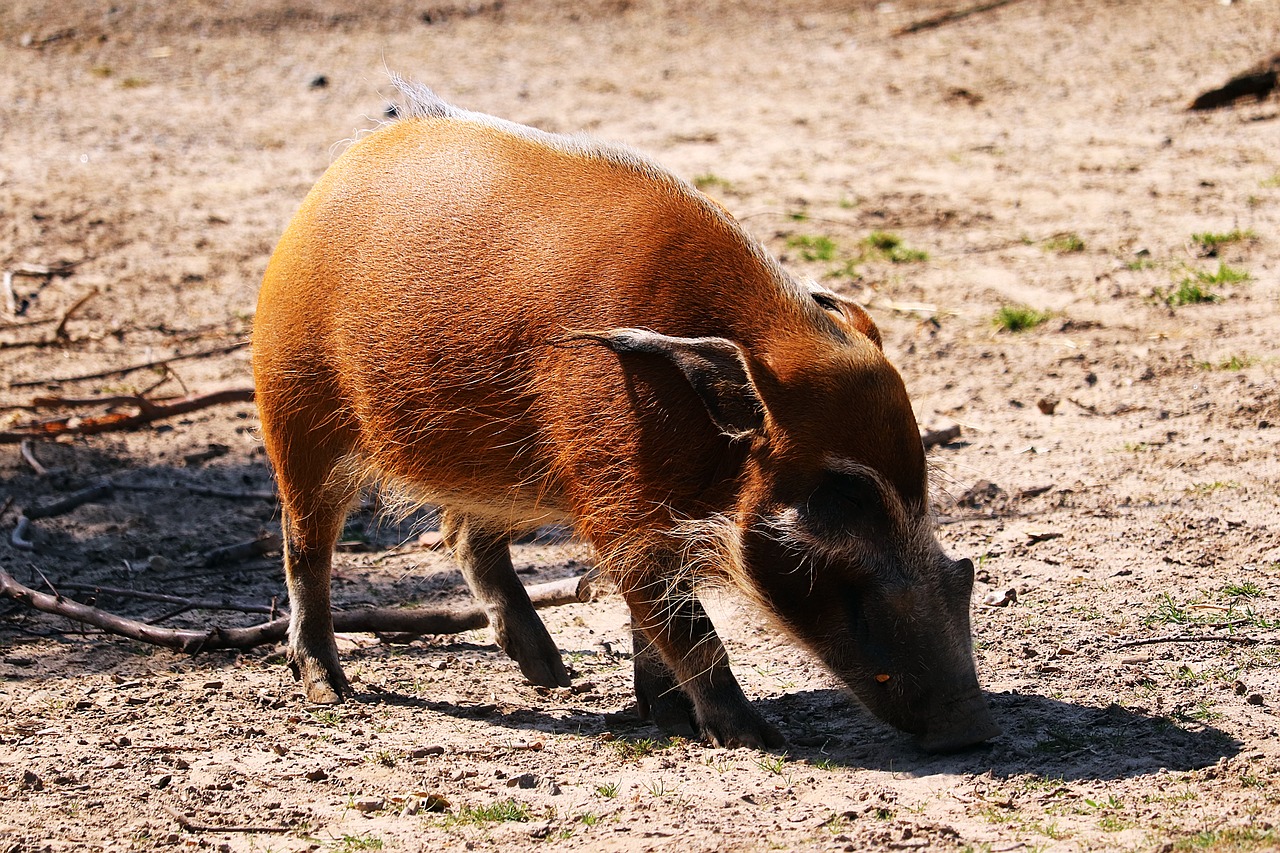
{"points": [[951, 17], [29, 455], [18, 538], [189, 826], [47, 582], [10, 300], [193, 603], [243, 550], [169, 615], [71, 501], [60, 333], [247, 495], [123, 371]]}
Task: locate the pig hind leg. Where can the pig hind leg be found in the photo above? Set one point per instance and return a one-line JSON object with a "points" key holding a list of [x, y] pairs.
{"points": [[315, 490], [485, 557]]}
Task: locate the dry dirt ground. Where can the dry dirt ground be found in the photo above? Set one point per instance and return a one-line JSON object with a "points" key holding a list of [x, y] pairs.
{"points": [[1117, 466]]}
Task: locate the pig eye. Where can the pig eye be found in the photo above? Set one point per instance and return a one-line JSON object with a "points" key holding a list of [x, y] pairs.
{"points": [[858, 493], [827, 301], [846, 504]]}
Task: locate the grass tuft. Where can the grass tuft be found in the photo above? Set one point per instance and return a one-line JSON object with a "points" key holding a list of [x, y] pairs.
{"points": [[1064, 244], [1210, 242], [813, 248], [890, 247], [1019, 318], [502, 811]]}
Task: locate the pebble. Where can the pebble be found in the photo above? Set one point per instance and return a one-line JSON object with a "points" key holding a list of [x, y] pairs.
{"points": [[424, 751], [524, 780], [368, 805], [1254, 699], [162, 781], [316, 775], [1001, 597]]}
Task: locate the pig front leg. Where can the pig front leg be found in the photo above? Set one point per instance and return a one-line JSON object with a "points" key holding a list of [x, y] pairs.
{"points": [[678, 650], [485, 558]]}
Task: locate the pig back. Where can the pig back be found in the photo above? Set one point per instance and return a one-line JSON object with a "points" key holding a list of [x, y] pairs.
{"points": [[425, 283]]}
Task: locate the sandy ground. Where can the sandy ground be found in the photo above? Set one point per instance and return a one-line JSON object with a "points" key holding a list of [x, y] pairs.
{"points": [[1117, 466]]}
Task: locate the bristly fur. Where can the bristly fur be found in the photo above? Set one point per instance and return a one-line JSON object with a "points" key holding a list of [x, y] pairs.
{"points": [[421, 102]]}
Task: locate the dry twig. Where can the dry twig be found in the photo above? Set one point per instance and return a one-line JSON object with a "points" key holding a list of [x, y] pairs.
{"points": [[124, 371], [952, 16], [147, 412], [30, 457], [189, 603]]}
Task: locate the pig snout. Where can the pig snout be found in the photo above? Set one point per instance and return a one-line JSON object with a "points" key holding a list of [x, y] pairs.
{"points": [[958, 723]]}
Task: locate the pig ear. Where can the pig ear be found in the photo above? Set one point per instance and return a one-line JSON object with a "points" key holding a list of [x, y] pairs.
{"points": [[715, 367]]}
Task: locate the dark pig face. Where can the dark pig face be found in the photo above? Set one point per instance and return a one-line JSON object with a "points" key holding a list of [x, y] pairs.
{"points": [[838, 543], [831, 530]]}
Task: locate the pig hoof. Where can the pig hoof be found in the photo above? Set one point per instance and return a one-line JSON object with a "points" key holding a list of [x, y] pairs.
{"points": [[322, 694], [537, 654], [671, 712], [545, 672], [749, 730], [323, 685]]}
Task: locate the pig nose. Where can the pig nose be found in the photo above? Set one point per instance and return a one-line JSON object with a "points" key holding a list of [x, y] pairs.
{"points": [[959, 723]]}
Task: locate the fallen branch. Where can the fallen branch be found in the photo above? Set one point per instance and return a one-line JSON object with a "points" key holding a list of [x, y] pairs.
{"points": [[951, 17], [124, 371], [391, 620], [147, 412]]}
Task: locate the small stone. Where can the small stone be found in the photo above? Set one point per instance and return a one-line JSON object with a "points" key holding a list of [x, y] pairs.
{"points": [[424, 751], [31, 781], [524, 780], [316, 775], [369, 805], [1000, 598], [1239, 688], [1254, 699], [319, 81], [162, 781], [1046, 405]]}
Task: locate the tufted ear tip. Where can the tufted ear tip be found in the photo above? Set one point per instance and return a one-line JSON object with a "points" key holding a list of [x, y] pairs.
{"points": [[716, 369]]}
